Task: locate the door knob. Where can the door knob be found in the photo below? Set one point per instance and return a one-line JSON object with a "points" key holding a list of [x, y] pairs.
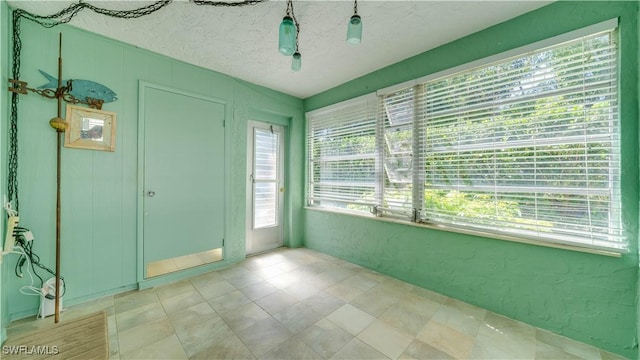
{"points": [[151, 193]]}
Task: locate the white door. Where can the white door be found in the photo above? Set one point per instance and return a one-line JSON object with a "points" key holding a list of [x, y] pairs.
{"points": [[265, 187]]}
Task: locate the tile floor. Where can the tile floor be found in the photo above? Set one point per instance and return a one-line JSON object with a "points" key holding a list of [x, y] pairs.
{"points": [[302, 304]]}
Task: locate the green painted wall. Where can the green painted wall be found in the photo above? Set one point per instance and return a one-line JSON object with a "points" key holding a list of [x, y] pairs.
{"points": [[638, 280], [591, 298], [99, 188], [588, 297], [4, 113]]}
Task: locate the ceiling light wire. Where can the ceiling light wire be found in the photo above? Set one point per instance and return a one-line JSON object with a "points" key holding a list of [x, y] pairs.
{"points": [[228, 4], [295, 21], [296, 60]]}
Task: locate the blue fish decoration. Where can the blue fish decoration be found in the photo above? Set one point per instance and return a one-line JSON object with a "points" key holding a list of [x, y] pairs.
{"points": [[82, 89]]}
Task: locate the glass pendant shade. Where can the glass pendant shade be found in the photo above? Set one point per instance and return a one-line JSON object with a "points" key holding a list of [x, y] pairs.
{"points": [[296, 62], [287, 39], [354, 31]]}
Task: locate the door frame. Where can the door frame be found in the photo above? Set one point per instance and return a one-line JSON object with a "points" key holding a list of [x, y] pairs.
{"points": [[282, 216], [140, 191]]}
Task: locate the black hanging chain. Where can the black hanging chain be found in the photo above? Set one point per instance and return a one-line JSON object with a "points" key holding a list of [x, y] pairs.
{"points": [[228, 4], [355, 7], [12, 173], [62, 17], [295, 21], [289, 8]]}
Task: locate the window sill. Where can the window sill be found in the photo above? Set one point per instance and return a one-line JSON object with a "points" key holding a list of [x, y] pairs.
{"points": [[470, 232]]}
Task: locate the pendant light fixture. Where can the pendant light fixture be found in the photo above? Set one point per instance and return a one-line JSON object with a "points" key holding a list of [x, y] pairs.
{"points": [[354, 29], [296, 62], [288, 32]]}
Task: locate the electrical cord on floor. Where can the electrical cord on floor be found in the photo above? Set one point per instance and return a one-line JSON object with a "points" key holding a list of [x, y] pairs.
{"points": [[28, 289], [24, 241]]}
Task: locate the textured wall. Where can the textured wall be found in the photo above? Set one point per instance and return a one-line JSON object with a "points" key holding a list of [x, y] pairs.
{"points": [[99, 189], [584, 296], [591, 298]]}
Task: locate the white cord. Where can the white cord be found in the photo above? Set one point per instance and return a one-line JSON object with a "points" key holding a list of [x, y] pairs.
{"points": [[10, 211], [33, 291], [27, 289]]}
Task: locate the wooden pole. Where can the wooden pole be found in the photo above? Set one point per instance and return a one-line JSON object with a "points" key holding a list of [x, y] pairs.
{"points": [[59, 145]]}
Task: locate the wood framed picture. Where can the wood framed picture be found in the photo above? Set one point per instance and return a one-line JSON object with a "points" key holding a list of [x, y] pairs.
{"points": [[90, 129]]}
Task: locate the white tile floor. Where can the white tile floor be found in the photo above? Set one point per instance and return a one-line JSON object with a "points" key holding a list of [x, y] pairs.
{"points": [[302, 304]]}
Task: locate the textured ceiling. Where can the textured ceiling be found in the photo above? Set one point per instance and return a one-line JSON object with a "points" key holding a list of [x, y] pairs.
{"points": [[242, 41]]}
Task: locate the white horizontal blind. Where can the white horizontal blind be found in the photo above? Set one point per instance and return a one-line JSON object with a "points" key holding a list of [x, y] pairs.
{"points": [[342, 155], [396, 116], [266, 145], [529, 146]]}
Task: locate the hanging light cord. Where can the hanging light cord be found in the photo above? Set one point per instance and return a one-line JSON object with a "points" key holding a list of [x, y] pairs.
{"points": [[62, 17], [289, 8], [228, 4], [355, 7], [297, 35], [295, 21], [297, 29]]}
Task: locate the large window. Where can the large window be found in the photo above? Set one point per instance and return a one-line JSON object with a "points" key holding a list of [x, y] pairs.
{"points": [[527, 146], [341, 144]]}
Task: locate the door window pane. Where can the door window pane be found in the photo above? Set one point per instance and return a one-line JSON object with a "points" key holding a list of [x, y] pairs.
{"points": [[266, 155], [265, 205]]}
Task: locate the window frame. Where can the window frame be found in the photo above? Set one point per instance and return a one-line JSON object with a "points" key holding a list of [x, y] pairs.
{"points": [[383, 213], [322, 114]]}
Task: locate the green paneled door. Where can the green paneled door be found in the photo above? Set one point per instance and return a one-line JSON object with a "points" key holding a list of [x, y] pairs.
{"points": [[183, 200]]}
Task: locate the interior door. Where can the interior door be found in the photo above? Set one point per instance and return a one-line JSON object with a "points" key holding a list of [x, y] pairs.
{"points": [[265, 187], [183, 202]]}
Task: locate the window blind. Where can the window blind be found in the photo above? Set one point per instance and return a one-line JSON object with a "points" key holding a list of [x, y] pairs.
{"points": [[342, 155], [524, 146], [528, 146], [266, 145], [398, 118]]}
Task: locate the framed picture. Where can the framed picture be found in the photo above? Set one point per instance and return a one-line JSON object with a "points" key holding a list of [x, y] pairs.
{"points": [[90, 129]]}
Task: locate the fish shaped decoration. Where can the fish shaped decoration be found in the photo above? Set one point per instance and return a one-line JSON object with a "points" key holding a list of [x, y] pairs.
{"points": [[82, 89]]}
